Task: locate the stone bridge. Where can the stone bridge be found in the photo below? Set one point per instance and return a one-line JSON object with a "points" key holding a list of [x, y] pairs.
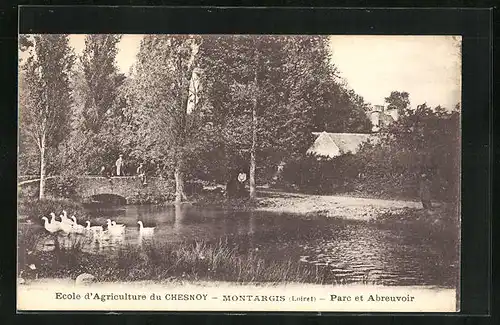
{"points": [[126, 186], [129, 188]]}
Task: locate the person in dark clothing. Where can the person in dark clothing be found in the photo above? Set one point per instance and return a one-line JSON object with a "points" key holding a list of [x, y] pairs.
{"points": [[141, 173], [425, 191], [106, 172]]}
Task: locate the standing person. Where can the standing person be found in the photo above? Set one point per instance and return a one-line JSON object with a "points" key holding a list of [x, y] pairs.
{"points": [[141, 173], [119, 165], [425, 191]]}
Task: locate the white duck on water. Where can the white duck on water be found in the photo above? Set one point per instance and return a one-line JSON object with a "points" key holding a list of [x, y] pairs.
{"points": [[66, 227], [114, 224], [93, 228], [53, 220], [64, 218], [145, 230], [76, 227], [115, 229], [49, 226]]}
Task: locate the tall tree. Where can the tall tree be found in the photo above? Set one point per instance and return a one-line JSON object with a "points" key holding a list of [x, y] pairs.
{"points": [[399, 100], [264, 93], [163, 87], [45, 95], [96, 82], [100, 78]]}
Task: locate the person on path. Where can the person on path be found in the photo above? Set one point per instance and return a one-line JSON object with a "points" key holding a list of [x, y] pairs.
{"points": [[425, 191], [119, 165]]}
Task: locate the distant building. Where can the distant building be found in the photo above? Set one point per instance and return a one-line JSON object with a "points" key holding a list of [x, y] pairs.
{"points": [[331, 145], [336, 144], [382, 117]]}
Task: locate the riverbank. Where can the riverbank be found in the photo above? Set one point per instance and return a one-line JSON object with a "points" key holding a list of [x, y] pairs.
{"points": [[442, 220], [196, 260], [331, 205], [305, 205], [227, 296]]}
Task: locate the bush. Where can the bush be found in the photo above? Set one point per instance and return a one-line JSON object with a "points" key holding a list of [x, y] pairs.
{"points": [[28, 191], [322, 175], [36, 209], [160, 192], [422, 141], [62, 187]]}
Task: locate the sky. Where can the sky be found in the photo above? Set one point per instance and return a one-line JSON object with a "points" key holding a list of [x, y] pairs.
{"points": [[427, 67]]}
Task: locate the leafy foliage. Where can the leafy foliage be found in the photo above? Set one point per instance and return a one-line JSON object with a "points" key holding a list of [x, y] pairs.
{"points": [[423, 140], [293, 83], [186, 111], [399, 100], [94, 140], [45, 99], [45, 95], [322, 175], [163, 91], [63, 187]]}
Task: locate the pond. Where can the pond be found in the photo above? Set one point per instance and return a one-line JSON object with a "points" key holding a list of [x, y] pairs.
{"points": [[391, 254]]}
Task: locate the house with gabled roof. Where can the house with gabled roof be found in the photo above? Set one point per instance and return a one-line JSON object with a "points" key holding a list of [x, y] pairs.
{"points": [[330, 145]]}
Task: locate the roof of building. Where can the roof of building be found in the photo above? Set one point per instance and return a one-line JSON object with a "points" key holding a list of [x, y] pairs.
{"points": [[386, 119], [335, 144]]}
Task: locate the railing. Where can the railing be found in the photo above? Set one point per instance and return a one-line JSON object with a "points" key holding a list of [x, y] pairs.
{"points": [[34, 180], [85, 177]]}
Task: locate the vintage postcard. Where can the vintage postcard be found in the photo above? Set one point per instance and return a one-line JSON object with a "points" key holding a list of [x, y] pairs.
{"points": [[315, 173]]}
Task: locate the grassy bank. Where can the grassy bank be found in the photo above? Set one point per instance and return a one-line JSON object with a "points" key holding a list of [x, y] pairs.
{"points": [[188, 261], [35, 209]]}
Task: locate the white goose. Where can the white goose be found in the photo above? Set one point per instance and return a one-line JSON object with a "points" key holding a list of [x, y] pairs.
{"points": [[93, 228], [145, 230], [50, 227], [64, 217], [114, 224], [53, 219], [76, 227], [65, 226], [113, 228]]}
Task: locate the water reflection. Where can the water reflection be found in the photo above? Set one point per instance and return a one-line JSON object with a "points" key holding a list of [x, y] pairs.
{"points": [[179, 214], [353, 251]]}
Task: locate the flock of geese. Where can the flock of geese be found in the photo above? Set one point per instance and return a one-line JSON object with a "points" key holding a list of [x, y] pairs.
{"points": [[70, 225]]}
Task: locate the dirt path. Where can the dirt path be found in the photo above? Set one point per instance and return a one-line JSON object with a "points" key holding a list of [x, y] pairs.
{"points": [[331, 205]]}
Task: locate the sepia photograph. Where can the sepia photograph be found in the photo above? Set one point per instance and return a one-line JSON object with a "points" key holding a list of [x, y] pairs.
{"points": [[180, 172]]}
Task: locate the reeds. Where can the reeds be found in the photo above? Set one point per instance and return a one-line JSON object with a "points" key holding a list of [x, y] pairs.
{"points": [[188, 261]]}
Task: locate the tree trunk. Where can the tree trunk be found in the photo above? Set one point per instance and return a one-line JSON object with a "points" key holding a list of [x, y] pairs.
{"points": [[253, 193], [42, 169]]}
